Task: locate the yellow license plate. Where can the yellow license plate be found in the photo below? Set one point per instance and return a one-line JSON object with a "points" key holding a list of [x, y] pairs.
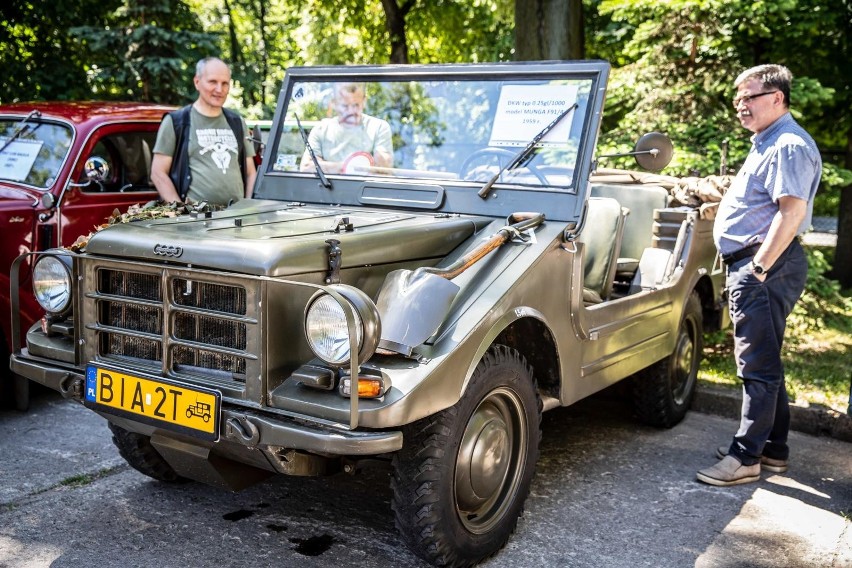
{"points": [[159, 402]]}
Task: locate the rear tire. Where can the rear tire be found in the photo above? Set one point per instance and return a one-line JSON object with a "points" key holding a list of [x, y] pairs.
{"points": [[137, 450], [461, 479], [663, 392]]}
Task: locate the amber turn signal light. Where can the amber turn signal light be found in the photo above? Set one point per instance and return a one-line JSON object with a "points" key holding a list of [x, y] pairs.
{"points": [[368, 387]]}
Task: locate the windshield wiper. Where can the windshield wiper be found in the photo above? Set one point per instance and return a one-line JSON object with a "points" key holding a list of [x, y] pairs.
{"points": [[521, 157], [323, 180], [20, 128]]}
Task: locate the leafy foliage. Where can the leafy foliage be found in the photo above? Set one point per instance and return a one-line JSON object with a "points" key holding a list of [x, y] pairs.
{"points": [[40, 60], [146, 51], [675, 62], [822, 305]]}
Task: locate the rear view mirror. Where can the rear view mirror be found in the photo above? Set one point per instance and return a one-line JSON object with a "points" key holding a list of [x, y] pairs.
{"points": [[653, 151], [96, 169]]}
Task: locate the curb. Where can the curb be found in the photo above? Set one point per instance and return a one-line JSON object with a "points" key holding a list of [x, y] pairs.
{"points": [[813, 420]]}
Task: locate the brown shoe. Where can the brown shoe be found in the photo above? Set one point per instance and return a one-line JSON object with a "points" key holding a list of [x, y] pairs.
{"points": [[766, 464], [729, 471]]}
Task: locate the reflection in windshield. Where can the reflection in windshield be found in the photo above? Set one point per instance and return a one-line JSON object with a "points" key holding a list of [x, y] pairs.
{"points": [[461, 130], [37, 154]]}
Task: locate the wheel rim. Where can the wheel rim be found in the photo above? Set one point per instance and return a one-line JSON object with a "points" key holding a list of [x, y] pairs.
{"points": [[490, 460], [685, 361]]}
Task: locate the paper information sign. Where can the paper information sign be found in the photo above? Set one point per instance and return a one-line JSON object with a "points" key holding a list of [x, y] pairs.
{"points": [[524, 110], [18, 158]]}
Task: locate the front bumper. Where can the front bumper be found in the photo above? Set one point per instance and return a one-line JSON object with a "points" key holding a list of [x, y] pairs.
{"points": [[249, 428]]}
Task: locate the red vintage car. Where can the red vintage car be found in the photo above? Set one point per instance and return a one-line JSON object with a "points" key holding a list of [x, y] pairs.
{"points": [[46, 197]]}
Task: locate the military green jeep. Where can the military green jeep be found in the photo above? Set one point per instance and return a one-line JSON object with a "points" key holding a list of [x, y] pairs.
{"points": [[423, 312]]}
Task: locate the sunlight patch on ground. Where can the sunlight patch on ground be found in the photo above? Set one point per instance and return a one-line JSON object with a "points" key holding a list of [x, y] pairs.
{"points": [[798, 534], [793, 484], [14, 553]]}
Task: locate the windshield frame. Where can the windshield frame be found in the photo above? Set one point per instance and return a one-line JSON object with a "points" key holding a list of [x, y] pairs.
{"points": [[441, 195], [44, 121]]}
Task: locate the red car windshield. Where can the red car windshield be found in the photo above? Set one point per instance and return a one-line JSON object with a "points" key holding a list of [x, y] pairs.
{"points": [[33, 152]]}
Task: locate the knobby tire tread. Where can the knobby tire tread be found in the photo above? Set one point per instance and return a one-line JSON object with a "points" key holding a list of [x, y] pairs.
{"points": [[652, 397], [138, 451], [415, 478]]}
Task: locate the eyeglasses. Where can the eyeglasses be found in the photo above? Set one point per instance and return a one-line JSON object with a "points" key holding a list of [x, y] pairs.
{"points": [[748, 98]]}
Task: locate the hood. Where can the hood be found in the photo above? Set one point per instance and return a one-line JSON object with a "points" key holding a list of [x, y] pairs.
{"points": [[275, 239]]}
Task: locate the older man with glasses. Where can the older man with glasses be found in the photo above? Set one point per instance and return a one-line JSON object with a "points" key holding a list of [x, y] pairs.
{"points": [[760, 217]]}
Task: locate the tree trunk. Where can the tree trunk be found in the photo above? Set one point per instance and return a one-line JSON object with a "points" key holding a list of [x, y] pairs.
{"points": [[236, 53], [395, 23], [549, 29], [264, 53], [842, 270]]}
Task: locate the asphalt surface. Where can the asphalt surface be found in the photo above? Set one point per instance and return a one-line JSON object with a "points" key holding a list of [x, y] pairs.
{"points": [[608, 492]]}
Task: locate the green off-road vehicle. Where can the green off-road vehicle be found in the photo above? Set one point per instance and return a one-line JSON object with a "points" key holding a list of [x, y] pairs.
{"points": [[483, 278]]}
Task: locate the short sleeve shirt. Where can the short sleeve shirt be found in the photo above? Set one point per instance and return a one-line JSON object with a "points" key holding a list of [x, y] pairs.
{"points": [[783, 161], [213, 157], [334, 143]]}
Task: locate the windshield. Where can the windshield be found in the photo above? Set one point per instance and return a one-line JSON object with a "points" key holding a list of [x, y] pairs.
{"points": [[460, 131], [36, 154]]}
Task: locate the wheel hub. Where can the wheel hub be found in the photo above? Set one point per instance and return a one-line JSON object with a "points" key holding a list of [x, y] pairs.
{"points": [[488, 460], [684, 361]]}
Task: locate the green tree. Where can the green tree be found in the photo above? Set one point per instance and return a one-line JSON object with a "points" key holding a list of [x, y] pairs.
{"points": [[40, 60], [445, 31], [678, 77], [146, 52], [260, 40]]}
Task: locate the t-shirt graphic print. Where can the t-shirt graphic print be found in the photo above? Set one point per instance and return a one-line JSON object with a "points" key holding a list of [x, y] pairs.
{"points": [[219, 143]]}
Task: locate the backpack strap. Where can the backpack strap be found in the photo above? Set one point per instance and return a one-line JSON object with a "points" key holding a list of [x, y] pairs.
{"points": [[236, 124], [179, 172]]}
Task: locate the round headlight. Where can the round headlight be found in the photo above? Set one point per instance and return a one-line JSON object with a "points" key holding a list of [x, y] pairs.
{"points": [[52, 284], [328, 333]]}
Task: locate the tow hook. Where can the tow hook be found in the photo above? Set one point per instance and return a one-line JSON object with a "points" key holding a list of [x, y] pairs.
{"points": [[242, 429], [71, 387]]}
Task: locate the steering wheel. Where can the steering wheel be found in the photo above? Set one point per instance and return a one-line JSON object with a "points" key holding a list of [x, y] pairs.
{"points": [[502, 156]]}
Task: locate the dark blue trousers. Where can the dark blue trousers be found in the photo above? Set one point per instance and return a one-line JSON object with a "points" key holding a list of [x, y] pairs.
{"points": [[759, 313]]}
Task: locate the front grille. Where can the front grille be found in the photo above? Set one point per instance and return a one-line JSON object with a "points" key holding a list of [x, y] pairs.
{"points": [[130, 284], [227, 299], [210, 329], [199, 358], [202, 328]]}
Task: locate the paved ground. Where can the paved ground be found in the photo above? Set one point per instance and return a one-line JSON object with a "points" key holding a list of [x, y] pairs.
{"points": [[607, 493]]}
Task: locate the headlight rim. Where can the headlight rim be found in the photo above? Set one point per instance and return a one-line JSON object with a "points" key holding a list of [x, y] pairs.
{"points": [[364, 309], [64, 261]]}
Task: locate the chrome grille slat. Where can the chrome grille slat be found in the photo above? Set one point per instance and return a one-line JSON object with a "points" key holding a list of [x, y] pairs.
{"points": [[204, 346]]}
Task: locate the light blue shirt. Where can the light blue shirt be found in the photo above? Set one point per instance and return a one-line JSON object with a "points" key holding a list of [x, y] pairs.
{"points": [[783, 161]]}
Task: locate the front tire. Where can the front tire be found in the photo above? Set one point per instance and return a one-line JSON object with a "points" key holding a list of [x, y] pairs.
{"points": [[663, 392], [14, 389], [461, 479], [142, 456]]}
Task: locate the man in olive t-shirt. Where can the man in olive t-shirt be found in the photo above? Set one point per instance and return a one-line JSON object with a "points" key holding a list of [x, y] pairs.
{"points": [[213, 147]]}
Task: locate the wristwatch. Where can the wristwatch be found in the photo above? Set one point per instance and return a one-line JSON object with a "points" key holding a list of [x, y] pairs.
{"points": [[757, 268]]}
